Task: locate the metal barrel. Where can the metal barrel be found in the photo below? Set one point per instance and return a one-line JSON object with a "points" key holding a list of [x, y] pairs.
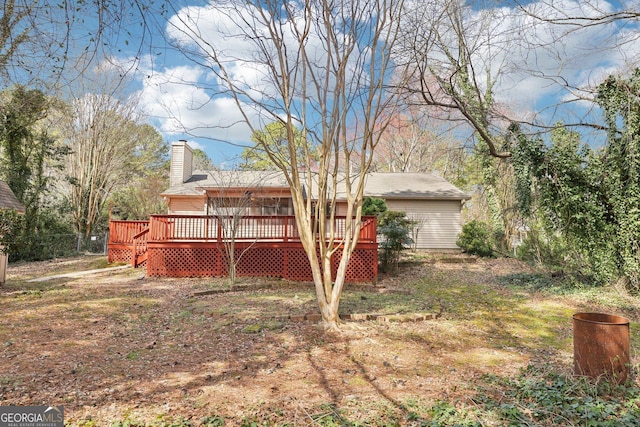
{"points": [[601, 346]]}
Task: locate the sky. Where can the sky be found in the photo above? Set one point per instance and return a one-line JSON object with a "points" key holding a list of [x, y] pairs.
{"points": [[176, 93]]}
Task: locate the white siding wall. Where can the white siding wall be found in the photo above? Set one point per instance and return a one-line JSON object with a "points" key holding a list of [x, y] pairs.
{"points": [[440, 221]]}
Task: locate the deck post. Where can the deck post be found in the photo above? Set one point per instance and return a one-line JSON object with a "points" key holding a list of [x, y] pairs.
{"points": [[286, 228]]}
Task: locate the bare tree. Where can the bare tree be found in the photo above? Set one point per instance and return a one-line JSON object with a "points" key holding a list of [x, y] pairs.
{"points": [[103, 133], [230, 204], [608, 35], [48, 43], [318, 67], [456, 52], [414, 143], [488, 64]]}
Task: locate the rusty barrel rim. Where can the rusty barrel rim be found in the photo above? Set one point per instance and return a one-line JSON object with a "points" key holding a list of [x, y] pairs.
{"points": [[601, 318]]}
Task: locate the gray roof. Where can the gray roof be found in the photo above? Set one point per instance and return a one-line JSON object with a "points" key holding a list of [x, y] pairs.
{"points": [[201, 181], [8, 200], [411, 186], [382, 185]]}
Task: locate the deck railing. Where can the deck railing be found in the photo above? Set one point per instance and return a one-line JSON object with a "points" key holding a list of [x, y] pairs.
{"points": [[167, 228], [124, 231], [192, 246]]}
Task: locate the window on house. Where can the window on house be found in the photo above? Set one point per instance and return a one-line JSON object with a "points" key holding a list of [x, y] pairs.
{"points": [[257, 206], [228, 207], [271, 207]]}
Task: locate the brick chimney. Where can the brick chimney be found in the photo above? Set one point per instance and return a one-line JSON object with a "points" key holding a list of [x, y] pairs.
{"points": [[181, 162]]}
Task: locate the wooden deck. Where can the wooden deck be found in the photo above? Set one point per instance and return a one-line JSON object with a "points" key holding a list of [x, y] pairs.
{"points": [[194, 246]]}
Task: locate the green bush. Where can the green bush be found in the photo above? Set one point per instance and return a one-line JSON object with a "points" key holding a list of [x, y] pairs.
{"points": [[49, 235], [476, 239], [373, 206], [396, 229], [539, 248]]}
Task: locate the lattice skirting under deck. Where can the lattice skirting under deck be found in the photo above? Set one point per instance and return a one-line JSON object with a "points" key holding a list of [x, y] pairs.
{"points": [[271, 260]]}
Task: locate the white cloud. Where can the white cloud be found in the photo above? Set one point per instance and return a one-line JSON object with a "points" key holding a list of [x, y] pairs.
{"points": [[547, 53], [178, 106], [194, 99], [535, 60], [174, 97], [531, 55]]}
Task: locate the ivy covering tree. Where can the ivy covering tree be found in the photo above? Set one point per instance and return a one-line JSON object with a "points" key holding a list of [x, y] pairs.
{"points": [[27, 153], [621, 170], [590, 199]]}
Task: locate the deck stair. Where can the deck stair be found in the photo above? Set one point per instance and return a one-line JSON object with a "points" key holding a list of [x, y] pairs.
{"points": [[140, 253]]}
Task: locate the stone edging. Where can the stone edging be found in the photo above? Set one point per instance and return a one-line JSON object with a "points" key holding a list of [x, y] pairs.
{"points": [[241, 288], [360, 317]]}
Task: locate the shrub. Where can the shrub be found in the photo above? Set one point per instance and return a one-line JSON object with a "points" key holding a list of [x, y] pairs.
{"points": [[373, 206], [396, 229], [476, 239]]}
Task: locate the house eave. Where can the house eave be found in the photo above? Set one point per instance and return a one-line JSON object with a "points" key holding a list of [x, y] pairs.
{"points": [[434, 197]]}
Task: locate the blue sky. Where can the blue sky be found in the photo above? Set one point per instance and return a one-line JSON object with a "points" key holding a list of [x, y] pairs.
{"points": [[172, 89]]}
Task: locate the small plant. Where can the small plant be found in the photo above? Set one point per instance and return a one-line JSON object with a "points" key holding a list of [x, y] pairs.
{"points": [[127, 422], [475, 239], [213, 421], [331, 416], [445, 414], [396, 229], [254, 328]]}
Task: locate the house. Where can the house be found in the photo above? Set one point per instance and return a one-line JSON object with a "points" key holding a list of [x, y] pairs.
{"points": [[434, 203], [431, 201], [8, 201], [215, 214]]}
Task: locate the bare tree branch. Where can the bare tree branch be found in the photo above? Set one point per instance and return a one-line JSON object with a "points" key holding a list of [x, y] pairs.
{"points": [[318, 67]]}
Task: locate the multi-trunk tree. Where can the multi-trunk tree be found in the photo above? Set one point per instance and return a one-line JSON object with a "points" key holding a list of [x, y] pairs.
{"points": [[318, 68], [110, 148]]}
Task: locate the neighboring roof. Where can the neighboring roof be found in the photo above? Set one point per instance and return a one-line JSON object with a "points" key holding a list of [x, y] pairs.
{"points": [[382, 185], [8, 200]]}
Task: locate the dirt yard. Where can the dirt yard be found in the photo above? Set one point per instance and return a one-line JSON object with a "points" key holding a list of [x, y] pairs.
{"points": [[120, 346]]}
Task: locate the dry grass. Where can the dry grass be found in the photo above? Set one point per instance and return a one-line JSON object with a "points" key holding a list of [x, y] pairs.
{"points": [[121, 346]]}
